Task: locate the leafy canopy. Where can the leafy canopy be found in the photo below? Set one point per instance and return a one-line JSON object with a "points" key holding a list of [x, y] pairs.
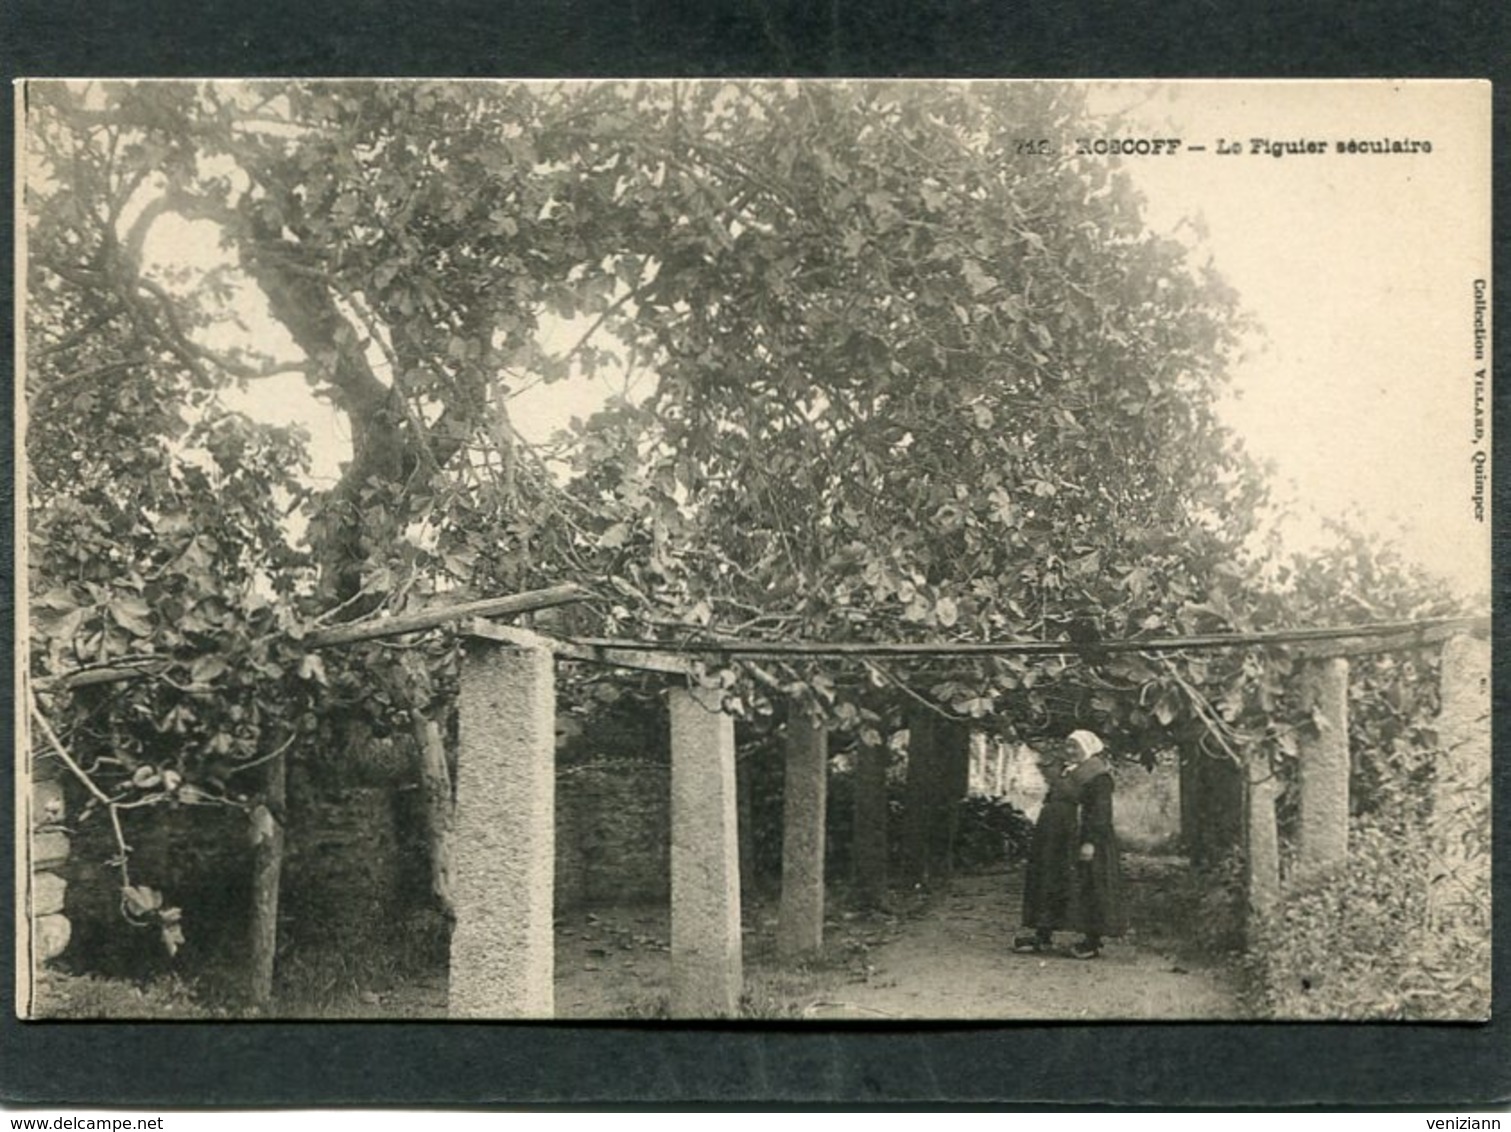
{"points": [[904, 382]]}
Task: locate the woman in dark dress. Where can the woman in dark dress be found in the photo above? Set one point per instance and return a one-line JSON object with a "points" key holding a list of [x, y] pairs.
{"points": [[1074, 878]]}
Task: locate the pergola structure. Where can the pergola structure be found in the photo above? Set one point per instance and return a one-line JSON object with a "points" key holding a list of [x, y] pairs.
{"points": [[503, 841], [504, 846], [502, 959]]}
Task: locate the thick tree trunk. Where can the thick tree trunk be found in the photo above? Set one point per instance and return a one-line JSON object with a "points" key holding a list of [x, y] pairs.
{"points": [[869, 851], [918, 802], [435, 786], [953, 782], [267, 870], [1212, 805]]}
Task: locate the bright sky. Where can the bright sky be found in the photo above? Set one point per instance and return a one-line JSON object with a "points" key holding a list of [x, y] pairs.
{"points": [[1360, 268]]}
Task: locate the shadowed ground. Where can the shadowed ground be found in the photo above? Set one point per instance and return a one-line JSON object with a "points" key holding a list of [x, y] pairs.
{"points": [[944, 954]]}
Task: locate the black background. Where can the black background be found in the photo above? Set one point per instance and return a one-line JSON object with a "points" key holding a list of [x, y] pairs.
{"points": [[1171, 1065]]}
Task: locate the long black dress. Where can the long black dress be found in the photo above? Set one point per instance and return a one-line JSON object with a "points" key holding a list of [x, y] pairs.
{"points": [[1062, 892]]}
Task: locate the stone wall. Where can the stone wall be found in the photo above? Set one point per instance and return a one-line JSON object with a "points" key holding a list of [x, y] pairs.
{"points": [[613, 841], [350, 870], [349, 876], [196, 856], [50, 847]]}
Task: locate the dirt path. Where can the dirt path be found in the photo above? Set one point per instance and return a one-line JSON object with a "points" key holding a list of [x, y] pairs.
{"points": [[955, 961], [944, 955]]}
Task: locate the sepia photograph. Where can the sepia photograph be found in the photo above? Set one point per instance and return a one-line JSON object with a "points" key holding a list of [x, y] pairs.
{"points": [[812, 552]]}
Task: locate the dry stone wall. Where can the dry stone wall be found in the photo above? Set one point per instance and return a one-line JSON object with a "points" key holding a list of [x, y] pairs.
{"points": [[50, 848], [613, 840]]}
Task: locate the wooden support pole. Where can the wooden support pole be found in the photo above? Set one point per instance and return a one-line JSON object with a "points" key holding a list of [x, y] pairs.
{"points": [[800, 920], [1322, 837], [503, 855], [439, 809], [745, 784], [707, 962]]}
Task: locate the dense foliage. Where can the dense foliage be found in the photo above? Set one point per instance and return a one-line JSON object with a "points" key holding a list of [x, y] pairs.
{"points": [[903, 383], [1360, 943]]}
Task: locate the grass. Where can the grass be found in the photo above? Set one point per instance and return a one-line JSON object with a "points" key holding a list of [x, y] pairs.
{"points": [[348, 978], [168, 998], [397, 970]]}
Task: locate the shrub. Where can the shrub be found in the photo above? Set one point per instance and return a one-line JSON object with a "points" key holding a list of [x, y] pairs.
{"points": [[1218, 905], [1356, 943], [1195, 913], [989, 828]]}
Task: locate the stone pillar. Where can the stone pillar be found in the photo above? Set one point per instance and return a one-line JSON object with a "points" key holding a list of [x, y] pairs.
{"points": [[503, 862], [1263, 841], [800, 922], [1460, 836], [1322, 837], [745, 818], [707, 967]]}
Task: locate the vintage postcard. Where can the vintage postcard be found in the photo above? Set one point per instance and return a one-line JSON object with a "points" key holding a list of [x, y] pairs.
{"points": [[763, 550]]}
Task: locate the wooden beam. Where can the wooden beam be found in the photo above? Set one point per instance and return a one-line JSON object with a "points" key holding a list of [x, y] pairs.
{"points": [[570, 650], [655, 656], [1380, 637], [437, 616], [110, 675], [432, 617], [1363, 646]]}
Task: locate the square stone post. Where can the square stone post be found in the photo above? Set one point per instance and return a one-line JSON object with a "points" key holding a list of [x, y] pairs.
{"points": [[1459, 896], [800, 922], [707, 965], [1322, 837], [1263, 841], [503, 855]]}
